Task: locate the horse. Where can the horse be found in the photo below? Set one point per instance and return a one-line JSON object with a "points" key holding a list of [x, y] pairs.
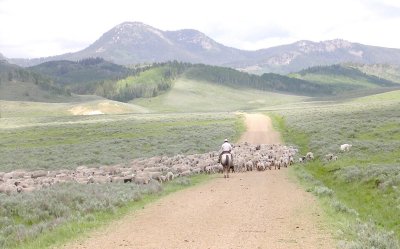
{"points": [[226, 162]]}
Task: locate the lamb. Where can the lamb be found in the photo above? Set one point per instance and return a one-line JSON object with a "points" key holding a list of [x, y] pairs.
{"points": [[345, 147]]}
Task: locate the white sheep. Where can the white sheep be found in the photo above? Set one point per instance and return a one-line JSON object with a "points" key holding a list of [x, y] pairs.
{"points": [[310, 156], [345, 147]]}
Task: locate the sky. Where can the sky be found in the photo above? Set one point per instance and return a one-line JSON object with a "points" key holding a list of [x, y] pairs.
{"points": [[40, 28]]}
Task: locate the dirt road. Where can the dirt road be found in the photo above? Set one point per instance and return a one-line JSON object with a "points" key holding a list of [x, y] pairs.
{"points": [[248, 210], [260, 130]]}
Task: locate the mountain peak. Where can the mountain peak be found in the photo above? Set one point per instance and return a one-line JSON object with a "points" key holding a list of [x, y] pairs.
{"points": [[132, 25], [322, 46], [194, 38]]}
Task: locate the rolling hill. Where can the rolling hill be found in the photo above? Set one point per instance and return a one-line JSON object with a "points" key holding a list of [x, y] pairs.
{"points": [[384, 71], [81, 76], [133, 42], [160, 78], [20, 84], [342, 78]]}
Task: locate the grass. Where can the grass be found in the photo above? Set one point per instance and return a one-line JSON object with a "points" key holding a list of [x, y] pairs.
{"points": [[67, 142], [200, 96], [75, 225], [364, 182], [82, 105]]}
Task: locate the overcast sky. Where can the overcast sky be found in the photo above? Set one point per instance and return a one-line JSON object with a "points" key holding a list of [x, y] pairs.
{"points": [[38, 28]]}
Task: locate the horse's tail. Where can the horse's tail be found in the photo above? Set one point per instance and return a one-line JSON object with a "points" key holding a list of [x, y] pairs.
{"points": [[227, 161]]}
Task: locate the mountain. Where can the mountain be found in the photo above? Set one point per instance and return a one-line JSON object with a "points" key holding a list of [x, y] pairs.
{"points": [[133, 42], [20, 84], [304, 54]]}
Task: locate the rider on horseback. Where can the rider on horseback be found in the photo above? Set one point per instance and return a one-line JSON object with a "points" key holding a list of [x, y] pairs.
{"points": [[225, 148]]}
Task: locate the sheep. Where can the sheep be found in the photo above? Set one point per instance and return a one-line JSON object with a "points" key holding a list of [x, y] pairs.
{"points": [[170, 176], [277, 164], [302, 159], [345, 147], [38, 173], [141, 171], [8, 189], [329, 156], [208, 169], [141, 179], [260, 166], [186, 173], [268, 165], [249, 166], [310, 156]]}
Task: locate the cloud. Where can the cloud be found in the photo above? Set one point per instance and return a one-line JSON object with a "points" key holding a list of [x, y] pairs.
{"points": [[48, 27], [384, 9]]}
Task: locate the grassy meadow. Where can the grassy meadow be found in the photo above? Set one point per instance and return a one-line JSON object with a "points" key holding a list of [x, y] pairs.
{"points": [[46, 217], [70, 141], [361, 188], [200, 96]]}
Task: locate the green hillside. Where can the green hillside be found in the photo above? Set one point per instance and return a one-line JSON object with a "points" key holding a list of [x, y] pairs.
{"points": [[266, 82], [152, 81], [20, 84], [188, 95], [341, 78], [82, 76], [384, 71]]}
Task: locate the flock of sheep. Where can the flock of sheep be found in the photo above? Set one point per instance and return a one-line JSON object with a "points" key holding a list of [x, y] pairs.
{"points": [[246, 157]]}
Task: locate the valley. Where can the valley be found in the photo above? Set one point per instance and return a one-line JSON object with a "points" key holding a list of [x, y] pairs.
{"points": [[129, 108]]}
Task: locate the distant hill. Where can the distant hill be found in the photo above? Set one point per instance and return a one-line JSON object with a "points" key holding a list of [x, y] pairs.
{"points": [[384, 71], [304, 54], [316, 81], [81, 76], [341, 78], [20, 84], [267, 82], [133, 42]]}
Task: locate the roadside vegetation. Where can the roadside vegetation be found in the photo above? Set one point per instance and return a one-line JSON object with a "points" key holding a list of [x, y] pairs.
{"points": [[361, 188], [48, 217], [67, 142]]}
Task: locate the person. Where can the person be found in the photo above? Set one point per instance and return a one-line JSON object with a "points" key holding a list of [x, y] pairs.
{"points": [[226, 147]]}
